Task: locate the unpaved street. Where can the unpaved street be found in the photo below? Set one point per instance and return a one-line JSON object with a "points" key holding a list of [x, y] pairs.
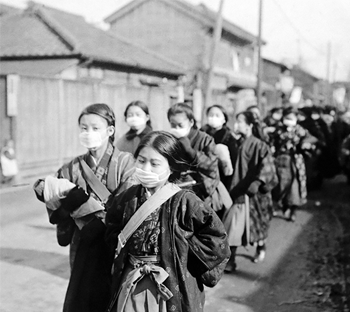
{"points": [[305, 267]]}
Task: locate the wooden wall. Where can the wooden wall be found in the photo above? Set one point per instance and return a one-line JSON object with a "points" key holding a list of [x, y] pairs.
{"points": [[47, 122], [169, 32]]}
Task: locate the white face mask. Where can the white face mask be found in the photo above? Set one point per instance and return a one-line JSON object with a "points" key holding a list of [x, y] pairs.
{"points": [[289, 122], [180, 132], [215, 122], [150, 179], [91, 140], [276, 116], [136, 122]]}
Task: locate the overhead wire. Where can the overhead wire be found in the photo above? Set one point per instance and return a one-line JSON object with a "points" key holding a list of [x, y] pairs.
{"points": [[297, 30]]}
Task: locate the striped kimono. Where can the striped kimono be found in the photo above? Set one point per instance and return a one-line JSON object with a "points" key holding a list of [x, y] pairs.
{"points": [[90, 258]]}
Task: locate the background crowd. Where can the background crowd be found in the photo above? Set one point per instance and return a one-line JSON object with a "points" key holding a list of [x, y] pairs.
{"points": [[225, 187]]}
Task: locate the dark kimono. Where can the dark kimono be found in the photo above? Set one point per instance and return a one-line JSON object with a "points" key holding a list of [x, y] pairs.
{"points": [[131, 140], [224, 136], [199, 152], [291, 190], [253, 179], [187, 235], [90, 258]]}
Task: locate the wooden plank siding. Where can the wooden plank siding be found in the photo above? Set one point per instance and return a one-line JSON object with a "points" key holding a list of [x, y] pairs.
{"points": [[47, 130], [169, 32]]}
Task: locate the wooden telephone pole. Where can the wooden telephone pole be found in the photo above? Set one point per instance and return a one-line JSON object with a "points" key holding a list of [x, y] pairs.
{"points": [[259, 77], [216, 39]]}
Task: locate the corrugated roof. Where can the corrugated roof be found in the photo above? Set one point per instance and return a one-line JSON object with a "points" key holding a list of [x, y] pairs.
{"points": [[199, 12], [43, 31]]}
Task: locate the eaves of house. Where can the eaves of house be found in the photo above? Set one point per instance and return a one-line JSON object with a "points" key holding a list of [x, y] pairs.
{"points": [[200, 13], [46, 33]]}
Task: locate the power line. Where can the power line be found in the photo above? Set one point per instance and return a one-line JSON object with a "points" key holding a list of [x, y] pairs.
{"points": [[297, 30]]}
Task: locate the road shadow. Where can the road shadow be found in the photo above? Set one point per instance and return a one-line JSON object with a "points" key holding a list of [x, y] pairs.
{"points": [[299, 281], [50, 262], [304, 286]]}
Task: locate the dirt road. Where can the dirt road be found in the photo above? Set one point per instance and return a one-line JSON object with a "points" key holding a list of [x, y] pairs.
{"points": [[306, 266]]}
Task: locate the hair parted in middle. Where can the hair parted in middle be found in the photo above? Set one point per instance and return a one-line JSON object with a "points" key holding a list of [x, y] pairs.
{"points": [[141, 105], [180, 108], [219, 107]]}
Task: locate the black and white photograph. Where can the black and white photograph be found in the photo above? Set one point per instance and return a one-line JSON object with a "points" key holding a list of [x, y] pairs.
{"points": [[175, 156]]}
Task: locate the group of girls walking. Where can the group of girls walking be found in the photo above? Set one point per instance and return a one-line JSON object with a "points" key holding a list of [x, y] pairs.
{"points": [[157, 216]]}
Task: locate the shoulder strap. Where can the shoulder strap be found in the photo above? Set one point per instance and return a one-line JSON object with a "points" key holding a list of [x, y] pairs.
{"points": [[150, 205], [96, 185]]}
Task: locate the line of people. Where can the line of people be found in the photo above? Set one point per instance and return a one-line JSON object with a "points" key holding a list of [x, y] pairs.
{"points": [[153, 218]]}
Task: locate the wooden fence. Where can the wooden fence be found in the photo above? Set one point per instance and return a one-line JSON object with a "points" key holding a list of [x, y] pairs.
{"points": [[46, 126]]}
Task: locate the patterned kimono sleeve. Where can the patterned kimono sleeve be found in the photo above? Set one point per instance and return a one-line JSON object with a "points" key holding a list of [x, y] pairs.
{"points": [[209, 249]]}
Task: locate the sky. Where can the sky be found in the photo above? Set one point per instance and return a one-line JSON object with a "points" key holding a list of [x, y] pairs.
{"points": [[312, 33]]}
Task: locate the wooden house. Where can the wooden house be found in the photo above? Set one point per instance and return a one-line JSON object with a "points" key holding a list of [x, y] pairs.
{"points": [[184, 32], [53, 64]]}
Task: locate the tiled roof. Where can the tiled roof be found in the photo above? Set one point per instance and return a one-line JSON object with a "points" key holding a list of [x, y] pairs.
{"points": [[43, 31], [7, 9], [48, 67], [26, 35], [199, 12]]}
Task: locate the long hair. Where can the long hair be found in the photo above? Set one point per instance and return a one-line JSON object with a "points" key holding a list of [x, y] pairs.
{"points": [[102, 110], [252, 119], [180, 108], [141, 105], [167, 146]]}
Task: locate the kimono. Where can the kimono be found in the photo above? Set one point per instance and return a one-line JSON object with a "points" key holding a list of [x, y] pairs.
{"points": [[224, 136], [184, 233], [247, 222], [291, 190], [344, 158], [90, 259], [203, 168], [130, 140]]}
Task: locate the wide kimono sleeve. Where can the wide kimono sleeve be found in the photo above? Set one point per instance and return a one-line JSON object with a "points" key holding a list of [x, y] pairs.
{"points": [[207, 240], [201, 148]]}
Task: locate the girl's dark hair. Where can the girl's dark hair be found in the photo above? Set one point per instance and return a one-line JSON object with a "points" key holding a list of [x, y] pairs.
{"points": [[102, 110], [140, 104], [168, 146], [221, 108], [275, 110], [252, 119], [180, 108], [289, 110]]}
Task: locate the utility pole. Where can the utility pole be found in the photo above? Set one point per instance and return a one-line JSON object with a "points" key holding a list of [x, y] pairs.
{"points": [[259, 78], [216, 39], [328, 73]]}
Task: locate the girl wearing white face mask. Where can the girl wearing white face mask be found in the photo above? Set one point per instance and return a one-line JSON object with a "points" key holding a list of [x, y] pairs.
{"points": [[226, 144], [199, 153], [78, 208], [289, 141], [137, 117], [158, 269]]}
